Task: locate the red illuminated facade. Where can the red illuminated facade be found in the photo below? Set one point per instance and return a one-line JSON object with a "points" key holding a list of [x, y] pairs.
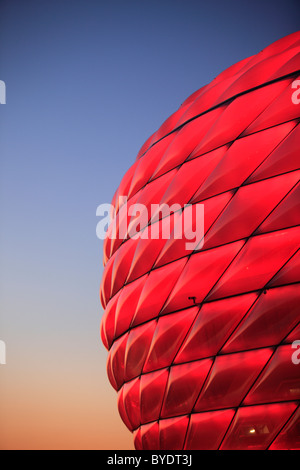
{"points": [[201, 342]]}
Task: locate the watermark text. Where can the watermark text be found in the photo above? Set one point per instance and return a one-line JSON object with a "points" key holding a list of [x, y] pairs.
{"points": [[2, 92], [159, 221], [296, 354], [296, 94], [2, 352]]}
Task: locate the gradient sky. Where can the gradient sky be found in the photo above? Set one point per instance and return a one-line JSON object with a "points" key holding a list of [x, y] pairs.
{"points": [[87, 83]]}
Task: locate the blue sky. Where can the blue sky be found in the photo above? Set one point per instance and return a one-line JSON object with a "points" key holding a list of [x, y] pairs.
{"points": [[87, 83]]}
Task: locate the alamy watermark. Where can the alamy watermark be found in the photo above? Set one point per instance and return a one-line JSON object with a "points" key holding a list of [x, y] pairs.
{"points": [[160, 221], [296, 94], [2, 343], [2, 352], [2, 92], [296, 354]]}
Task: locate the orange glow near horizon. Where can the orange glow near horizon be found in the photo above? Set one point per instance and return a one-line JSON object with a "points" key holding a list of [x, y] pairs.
{"points": [[59, 409]]}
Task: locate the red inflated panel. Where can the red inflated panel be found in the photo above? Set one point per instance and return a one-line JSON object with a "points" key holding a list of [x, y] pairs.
{"points": [[204, 339], [206, 430], [289, 438], [254, 427]]}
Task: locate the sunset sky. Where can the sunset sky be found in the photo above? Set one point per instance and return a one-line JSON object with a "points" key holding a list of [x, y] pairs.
{"points": [[87, 83]]}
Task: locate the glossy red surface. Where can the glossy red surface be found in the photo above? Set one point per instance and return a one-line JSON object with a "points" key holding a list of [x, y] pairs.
{"points": [[217, 373]]}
